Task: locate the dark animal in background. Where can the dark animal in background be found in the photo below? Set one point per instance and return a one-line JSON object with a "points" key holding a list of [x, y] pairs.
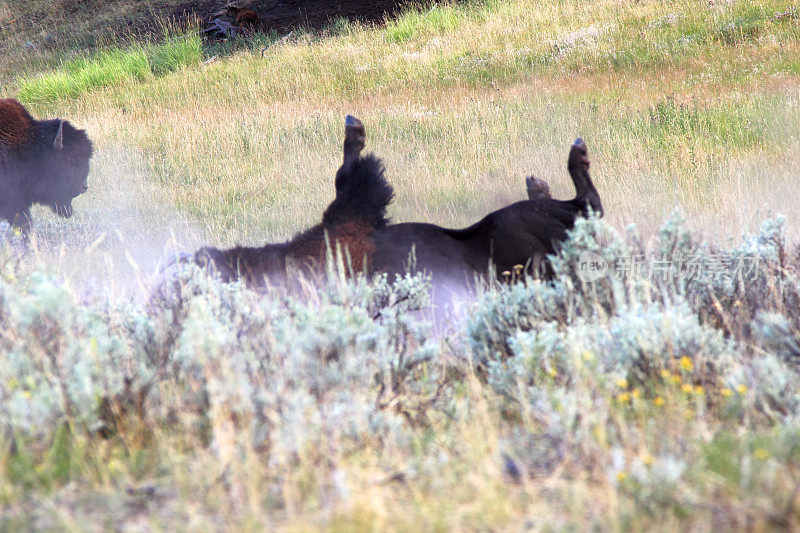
{"points": [[359, 209], [41, 162], [523, 233], [245, 18]]}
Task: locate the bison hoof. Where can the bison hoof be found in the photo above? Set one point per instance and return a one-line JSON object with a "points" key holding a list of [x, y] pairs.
{"points": [[580, 151], [537, 188]]}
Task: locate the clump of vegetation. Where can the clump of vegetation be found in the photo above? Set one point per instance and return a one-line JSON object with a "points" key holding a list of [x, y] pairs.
{"points": [[631, 382], [110, 67]]}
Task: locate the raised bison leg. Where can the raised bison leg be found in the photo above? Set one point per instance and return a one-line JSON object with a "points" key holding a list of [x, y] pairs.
{"points": [[538, 189], [578, 165], [355, 139]]}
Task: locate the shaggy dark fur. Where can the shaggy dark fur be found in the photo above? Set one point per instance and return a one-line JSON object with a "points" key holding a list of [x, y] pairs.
{"points": [[44, 162], [359, 209], [362, 192]]}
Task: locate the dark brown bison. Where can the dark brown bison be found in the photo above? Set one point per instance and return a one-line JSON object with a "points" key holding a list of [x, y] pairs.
{"points": [[359, 209], [41, 162], [523, 233], [245, 18]]}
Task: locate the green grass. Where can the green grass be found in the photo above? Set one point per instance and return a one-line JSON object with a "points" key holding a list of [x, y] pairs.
{"points": [[418, 24], [110, 68], [174, 53]]}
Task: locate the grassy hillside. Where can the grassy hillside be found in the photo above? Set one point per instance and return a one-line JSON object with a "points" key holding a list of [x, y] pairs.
{"points": [[679, 102], [618, 405]]}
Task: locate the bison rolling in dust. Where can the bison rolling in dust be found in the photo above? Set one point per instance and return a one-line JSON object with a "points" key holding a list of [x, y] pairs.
{"points": [[41, 162], [523, 233]]}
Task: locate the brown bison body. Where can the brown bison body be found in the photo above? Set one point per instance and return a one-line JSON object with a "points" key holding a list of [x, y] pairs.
{"points": [[16, 129], [306, 254], [41, 162]]}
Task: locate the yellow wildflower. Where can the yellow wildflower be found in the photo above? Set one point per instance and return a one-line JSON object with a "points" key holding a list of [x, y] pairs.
{"points": [[599, 433], [741, 389], [26, 394], [686, 363], [636, 393], [664, 373], [621, 476], [676, 379], [687, 388], [658, 401], [761, 454], [622, 383], [725, 391], [647, 459], [699, 390], [623, 397]]}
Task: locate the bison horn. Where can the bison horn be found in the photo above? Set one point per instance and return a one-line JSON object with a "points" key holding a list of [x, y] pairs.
{"points": [[58, 143]]}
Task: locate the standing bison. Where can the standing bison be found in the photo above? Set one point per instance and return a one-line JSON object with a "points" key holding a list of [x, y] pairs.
{"points": [[41, 162]]}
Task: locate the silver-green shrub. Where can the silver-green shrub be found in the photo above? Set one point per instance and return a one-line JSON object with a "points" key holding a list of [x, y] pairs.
{"points": [[59, 357]]}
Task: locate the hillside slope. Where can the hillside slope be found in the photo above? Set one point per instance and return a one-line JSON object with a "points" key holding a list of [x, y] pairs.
{"points": [[681, 98], [51, 27]]}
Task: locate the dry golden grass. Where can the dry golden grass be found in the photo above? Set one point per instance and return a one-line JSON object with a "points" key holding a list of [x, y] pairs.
{"points": [[247, 145]]}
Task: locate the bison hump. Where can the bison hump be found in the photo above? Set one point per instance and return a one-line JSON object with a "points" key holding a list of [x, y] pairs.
{"points": [[16, 127]]}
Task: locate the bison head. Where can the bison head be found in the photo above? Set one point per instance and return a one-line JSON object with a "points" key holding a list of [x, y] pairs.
{"points": [[63, 154]]}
